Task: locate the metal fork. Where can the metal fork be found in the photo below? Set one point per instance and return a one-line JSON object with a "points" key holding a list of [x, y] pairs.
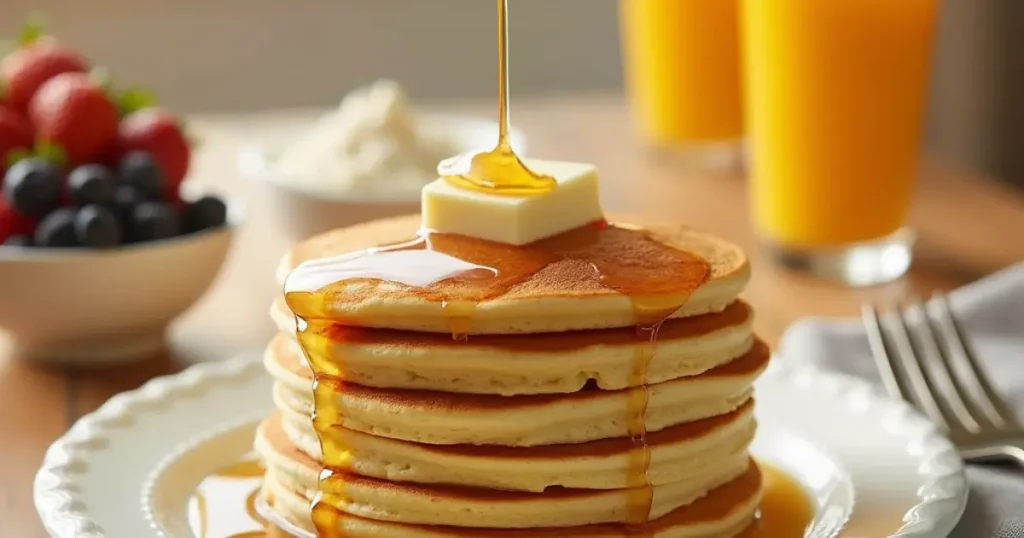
{"points": [[924, 357]]}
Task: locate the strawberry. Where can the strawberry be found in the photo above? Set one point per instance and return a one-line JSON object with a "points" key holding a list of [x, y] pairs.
{"points": [[26, 69], [15, 135], [158, 133], [73, 112], [14, 223]]}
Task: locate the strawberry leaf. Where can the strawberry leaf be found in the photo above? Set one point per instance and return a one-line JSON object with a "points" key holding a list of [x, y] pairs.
{"points": [[134, 99], [33, 29], [51, 152]]}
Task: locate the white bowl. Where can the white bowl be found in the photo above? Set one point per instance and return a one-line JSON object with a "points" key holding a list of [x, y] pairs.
{"points": [[95, 307], [300, 211]]}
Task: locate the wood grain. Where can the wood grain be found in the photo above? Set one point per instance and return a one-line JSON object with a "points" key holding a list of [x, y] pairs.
{"points": [[964, 222], [33, 413]]}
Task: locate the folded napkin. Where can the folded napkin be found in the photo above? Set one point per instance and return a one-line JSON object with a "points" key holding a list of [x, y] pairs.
{"points": [[992, 311]]}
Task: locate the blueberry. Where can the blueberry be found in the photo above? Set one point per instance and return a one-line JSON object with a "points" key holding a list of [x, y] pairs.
{"points": [[138, 169], [57, 229], [18, 241], [125, 200], [97, 227], [91, 184], [152, 221], [206, 212], [33, 186]]}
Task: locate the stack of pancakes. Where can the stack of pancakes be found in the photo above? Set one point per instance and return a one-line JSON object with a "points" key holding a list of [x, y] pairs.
{"points": [[522, 429]]}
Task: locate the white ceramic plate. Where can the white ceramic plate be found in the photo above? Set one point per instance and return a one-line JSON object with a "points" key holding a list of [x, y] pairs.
{"points": [[128, 470]]}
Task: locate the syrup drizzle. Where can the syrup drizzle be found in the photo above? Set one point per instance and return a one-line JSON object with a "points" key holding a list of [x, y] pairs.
{"points": [[641, 493], [458, 273], [498, 171]]}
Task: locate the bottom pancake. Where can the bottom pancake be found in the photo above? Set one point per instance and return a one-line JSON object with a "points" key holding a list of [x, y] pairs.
{"points": [[464, 506], [723, 513]]}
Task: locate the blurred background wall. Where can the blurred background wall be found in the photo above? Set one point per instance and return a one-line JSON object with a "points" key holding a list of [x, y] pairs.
{"points": [[217, 55]]}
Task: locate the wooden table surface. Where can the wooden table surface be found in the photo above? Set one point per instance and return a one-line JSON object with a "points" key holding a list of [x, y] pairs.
{"points": [[968, 227]]}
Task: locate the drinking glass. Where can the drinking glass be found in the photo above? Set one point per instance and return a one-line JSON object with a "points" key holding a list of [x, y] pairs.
{"points": [[835, 94], [682, 70]]}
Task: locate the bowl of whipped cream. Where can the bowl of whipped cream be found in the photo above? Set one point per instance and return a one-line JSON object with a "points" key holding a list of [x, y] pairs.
{"points": [[367, 159]]}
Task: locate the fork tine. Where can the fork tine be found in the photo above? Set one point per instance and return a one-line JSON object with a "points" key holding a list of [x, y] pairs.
{"points": [[963, 358], [898, 368], [940, 370], [893, 380], [924, 385]]}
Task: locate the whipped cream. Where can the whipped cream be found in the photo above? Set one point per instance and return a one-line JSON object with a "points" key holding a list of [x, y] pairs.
{"points": [[371, 145]]}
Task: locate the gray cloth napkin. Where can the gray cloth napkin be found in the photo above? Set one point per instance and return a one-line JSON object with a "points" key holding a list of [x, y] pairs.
{"points": [[992, 311]]}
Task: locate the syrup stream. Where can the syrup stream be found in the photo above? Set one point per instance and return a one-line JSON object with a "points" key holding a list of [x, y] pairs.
{"points": [[500, 170]]}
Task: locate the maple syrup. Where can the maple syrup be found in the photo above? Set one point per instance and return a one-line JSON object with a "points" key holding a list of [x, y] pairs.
{"points": [[785, 511], [237, 483], [500, 170]]}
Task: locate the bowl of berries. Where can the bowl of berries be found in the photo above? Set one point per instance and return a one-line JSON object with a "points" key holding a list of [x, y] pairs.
{"points": [[102, 242]]}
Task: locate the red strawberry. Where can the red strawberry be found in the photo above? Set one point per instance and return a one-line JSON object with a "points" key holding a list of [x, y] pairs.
{"points": [[14, 223], [72, 112], [110, 156], [15, 134], [158, 132], [25, 70]]}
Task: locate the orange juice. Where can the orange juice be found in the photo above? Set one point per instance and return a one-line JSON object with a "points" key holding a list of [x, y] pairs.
{"points": [[682, 69], [836, 91]]}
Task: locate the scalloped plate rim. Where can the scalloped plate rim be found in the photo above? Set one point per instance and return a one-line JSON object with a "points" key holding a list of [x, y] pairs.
{"points": [[949, 490], [64, 512]]}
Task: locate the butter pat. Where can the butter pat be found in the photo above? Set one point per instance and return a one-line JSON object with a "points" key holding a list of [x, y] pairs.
{"points": [[516, 220]]}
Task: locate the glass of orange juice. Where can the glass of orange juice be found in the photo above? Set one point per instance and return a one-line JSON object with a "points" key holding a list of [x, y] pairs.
{"points": [[835, 94], [682, 70]]}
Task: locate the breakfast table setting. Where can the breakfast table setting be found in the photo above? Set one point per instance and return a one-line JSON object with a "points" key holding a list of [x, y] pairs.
{"points": [[216, 326], [963, 220]]}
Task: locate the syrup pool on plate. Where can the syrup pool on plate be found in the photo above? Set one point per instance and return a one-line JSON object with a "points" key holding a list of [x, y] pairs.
{"points": [[224, 504], [786, 510]]}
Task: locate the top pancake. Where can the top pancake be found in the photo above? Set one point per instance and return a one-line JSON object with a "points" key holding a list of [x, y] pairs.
{"points": [[562, 294]]}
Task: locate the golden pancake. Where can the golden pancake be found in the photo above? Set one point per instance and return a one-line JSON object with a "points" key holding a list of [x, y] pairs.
{"points": [[463, 506], [568, 292], [472, 388], [541, 419], [677, 453], [511, 365], [723, 513]]}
